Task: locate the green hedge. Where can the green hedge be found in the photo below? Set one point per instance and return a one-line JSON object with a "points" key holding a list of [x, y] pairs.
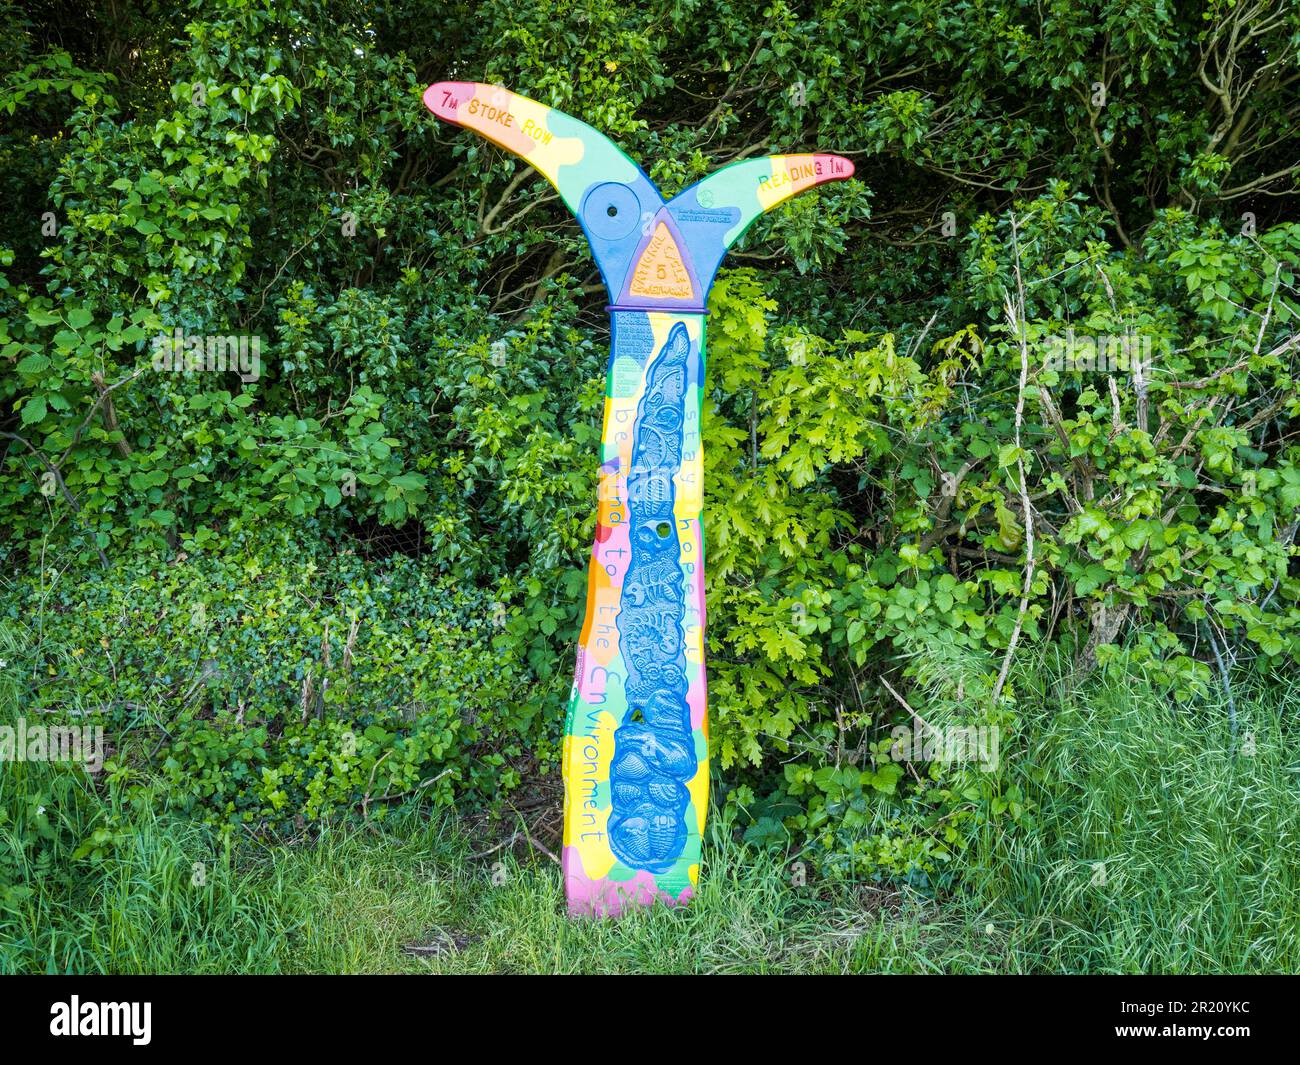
{"points": [[277, 679], [417, 453]]}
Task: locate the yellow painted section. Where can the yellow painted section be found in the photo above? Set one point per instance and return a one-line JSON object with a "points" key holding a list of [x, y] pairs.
{"points": [[699, 789], [522, 126], [587, 822], [791, 174]]}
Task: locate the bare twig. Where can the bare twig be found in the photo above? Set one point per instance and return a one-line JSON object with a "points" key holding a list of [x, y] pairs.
{"points": [[1015, 312], [63, 488], [904, 703]]}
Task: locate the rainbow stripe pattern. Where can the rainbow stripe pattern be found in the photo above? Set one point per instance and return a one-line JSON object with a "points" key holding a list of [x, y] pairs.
{"points": [[636, 746]]}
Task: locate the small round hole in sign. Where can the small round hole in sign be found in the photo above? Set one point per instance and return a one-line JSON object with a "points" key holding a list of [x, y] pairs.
{"points": [[610, 211]]}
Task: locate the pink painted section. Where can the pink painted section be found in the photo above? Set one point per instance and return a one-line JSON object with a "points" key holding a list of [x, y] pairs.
{"points": [[444, 98], [695, 692], [833, 167], [453, 101], [612, 551], [609, 898]]}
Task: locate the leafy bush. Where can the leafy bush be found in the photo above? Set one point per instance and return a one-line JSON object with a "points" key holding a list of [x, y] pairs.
{"points": [[263, 684], [927, 443]]}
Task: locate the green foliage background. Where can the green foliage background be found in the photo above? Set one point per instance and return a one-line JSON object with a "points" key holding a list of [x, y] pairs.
{"points": [[357, 580]]}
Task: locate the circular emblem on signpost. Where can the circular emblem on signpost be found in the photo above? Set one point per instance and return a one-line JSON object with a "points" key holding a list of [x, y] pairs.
{"points": [[611, 211]]}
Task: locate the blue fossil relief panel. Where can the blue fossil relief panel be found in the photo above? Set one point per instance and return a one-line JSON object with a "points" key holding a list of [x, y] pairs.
{"points": [[654, 750]]}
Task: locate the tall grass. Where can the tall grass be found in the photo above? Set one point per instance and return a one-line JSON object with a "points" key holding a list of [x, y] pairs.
{"points": [[1158, 843], [153, 895], [1153, 843], [365, 898]]}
